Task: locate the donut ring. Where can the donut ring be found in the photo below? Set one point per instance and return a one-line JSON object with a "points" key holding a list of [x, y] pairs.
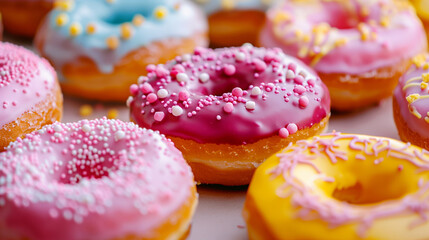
{"points": [[96, 180], [422, 9], [100, 46], [229, 109], [30, 95], [22, 17], [341, 186], [234, 22], [358, 48], [410, 103]]}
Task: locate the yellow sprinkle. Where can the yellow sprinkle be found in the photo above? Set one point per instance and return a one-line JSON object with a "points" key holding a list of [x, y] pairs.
{"points": [[64, 5], [414, 111], [227, 4], [425, 77], [160, 12], [364, 30], [423, 85], [75, 29], [177, 6], [364, 11], [281, 17], [374, 35], [322, 28], [62, 19], [85, 110], [419, 60], [126, 31], [112, 114], [426, 66], [385, 21], [112, 42], [306, 38], [340, 42], [413, 97], [298, 33], [303, 52], [90, 28], [138, 20], [427, 119]]}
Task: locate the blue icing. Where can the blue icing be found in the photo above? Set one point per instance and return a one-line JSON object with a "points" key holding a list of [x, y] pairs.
{"points": [[212, 6], [61, 47]]}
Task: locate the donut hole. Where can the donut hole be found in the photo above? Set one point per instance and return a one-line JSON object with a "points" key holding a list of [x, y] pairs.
{"points": [[124, 14], [337, 16], [88, 166]]}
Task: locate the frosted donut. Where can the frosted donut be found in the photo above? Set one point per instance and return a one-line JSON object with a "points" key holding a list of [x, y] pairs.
{"points": [[30, 95], [422, 9], [341, 186], [95, 180], [358, 48], [99, 47], [411, 103], [229, 109], [232, 22], [22, 17]]}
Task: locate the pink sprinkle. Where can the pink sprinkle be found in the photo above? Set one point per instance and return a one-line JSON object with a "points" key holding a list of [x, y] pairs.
{"points": [[150, 68], [303, 101], [299, 89], [311, 82], [299, 79], [229, 107], [283, 133], [146, 88], [158, 116], [260, 65], [152, 97], [178, 68], [161, 71], [292, 67], [292, 128], [238, 92], [183, 96], [134, 89], [400, 168], [229, 69]]}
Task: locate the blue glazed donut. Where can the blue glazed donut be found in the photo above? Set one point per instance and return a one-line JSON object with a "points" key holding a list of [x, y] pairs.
{"points": [[101, 46]]}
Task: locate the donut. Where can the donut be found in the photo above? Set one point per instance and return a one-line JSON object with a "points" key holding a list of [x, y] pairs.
{"points": [[95, 180], [99, 47], [358, 48], [410, 103], [22, 17], [341, 186], [229, 109], [422, 9], [232, 22], [30, 95]]}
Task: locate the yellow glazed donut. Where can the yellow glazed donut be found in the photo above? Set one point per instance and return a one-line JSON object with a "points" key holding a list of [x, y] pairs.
{"points": [[341, 186]]}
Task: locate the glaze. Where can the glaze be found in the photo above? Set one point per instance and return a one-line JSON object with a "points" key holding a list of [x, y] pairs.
{"points": [[351, 37], [233, 95], [99, 179]]}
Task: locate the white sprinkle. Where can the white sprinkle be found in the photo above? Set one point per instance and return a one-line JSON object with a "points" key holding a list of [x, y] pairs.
{"points": [[19, 151], [290, 74], [58, 128], [129, 100], [186, 57], [86, 128], [68, 215], [162, 93], [3, 73], [119, 135], [247, 45], [176, 111], [218, 117], [250, 105], [182, 77], [240, 56], [302, 73], [256, 91], [141, 80], [204, 77]]}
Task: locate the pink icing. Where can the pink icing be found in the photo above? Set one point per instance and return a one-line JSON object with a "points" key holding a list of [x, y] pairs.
{"points": [[25, 80], [311, 207], [100, 179], [235, 95], [394, 33], [418, 122]]}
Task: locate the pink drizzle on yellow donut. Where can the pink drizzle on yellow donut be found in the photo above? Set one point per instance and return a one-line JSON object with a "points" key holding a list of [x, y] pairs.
{"points": [[100, 179], [337, 213], [25, 80], [230, 95], [351, 37]]}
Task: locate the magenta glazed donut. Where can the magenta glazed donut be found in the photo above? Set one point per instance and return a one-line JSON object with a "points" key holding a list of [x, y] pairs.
{"points": [[228, 109], [94, 180]]}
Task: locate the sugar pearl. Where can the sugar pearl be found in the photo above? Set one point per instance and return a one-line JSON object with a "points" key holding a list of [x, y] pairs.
{"points": [[176, 111], [162, 93]]}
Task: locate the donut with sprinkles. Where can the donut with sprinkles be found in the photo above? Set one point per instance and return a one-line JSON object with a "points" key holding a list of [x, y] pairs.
{"points": [[229, 109], [341, 186], [359, 48], [99, 47], [30, 95], [96, 180]]}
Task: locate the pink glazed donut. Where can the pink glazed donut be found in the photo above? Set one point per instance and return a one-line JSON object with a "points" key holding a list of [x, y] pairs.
{"points": [[95, 180], [359, 48], [229, 109]]}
